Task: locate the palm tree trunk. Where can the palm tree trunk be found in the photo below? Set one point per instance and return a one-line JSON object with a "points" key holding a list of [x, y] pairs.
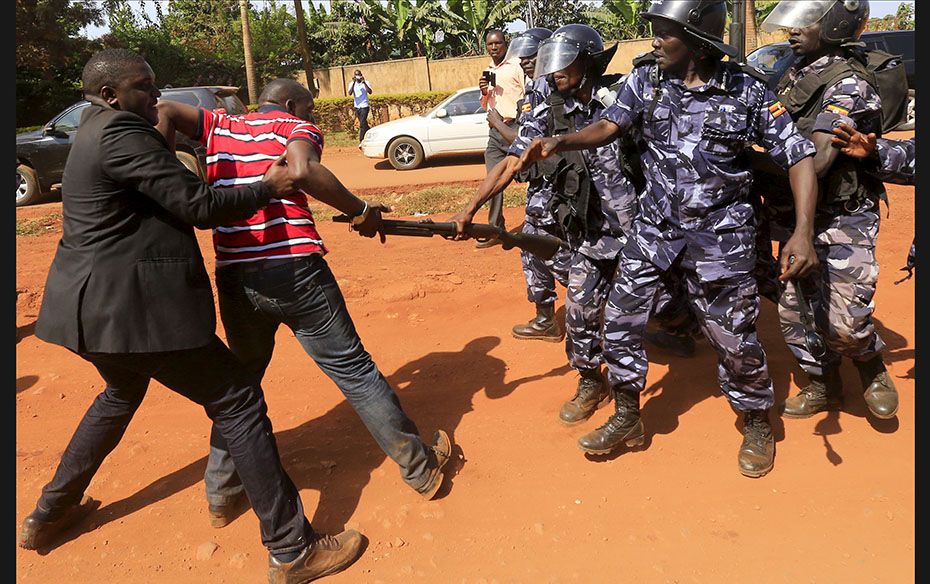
{"points": [[247, 47], [302, 40]]}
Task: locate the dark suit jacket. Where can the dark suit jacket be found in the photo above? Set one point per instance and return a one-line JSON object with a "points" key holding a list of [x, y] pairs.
{"points": [[128, 276]]}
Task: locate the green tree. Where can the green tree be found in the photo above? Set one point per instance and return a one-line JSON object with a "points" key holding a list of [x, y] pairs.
{"points": [[905, 16], [50, 55], [471, 19], [620, 19], [552, 14]]}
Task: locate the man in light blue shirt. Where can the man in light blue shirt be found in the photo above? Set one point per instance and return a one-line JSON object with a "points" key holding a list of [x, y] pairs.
{"points": [[359, 89]]}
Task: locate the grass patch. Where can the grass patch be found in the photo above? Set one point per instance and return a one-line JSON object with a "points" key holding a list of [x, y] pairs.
{"points": [[344, 139], [27, 227], [28, 129], [428, 200]]}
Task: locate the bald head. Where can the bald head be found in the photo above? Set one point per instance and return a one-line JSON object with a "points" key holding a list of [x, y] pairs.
{"points": [[281, 90], [290, 95]]}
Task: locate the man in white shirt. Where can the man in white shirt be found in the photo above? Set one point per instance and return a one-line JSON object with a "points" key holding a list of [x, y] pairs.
{"points": [[359, 89], [501, 87]]}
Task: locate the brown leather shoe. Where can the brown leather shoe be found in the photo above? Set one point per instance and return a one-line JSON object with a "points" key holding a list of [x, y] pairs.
{"points": [[38, 534], [442, 451], [223, 515], [325, 556]]}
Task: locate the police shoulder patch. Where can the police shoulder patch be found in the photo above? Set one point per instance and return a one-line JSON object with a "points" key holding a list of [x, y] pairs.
{"points": [[837, 110], [777, 109], [526, 108]]}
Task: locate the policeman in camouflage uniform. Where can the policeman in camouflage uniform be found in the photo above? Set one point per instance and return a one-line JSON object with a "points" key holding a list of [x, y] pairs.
{"points": [[540, 275], [893, 161], [593, 200], [824, 35], [695, 220]]}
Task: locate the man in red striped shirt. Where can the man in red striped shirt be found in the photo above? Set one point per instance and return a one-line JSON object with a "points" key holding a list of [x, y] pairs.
{"points": [[270, 270]]}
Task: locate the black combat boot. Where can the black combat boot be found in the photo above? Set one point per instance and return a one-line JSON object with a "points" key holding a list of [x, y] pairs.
{"points": [[879, 392], [757, 453], [543, 327], [823, 393], [591, 394], [623, 427]]}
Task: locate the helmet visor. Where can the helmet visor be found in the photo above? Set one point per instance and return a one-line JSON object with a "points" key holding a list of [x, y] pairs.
{"points": [[796, 14], [554, 55], [522, 46]]}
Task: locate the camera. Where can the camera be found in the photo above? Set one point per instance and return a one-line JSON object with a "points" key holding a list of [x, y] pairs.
{"points": [[489, 76]]}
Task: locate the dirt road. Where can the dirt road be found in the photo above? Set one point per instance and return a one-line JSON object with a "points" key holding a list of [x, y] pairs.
{"points": [[525, 505]]}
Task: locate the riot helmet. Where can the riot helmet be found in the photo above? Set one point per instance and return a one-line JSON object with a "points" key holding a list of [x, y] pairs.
{"points": [[704, 20], [568, 43], [526, 43], [841, 21]]}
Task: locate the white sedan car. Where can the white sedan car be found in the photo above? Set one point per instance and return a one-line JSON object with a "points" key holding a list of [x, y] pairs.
{"points": [[458, 125]]}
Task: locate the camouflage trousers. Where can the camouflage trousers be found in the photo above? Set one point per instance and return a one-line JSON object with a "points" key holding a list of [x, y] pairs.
{"points": [[589, 284], [541, 275], [726, 311], [840, 293]]}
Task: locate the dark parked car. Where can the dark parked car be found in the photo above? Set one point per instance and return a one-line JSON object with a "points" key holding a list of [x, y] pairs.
{"points": [[775, 59], [41, 155]]}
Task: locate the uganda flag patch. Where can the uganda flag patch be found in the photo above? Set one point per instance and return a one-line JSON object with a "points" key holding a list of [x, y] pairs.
{"points": [[777, 109], [527, 108], [837, 110]]}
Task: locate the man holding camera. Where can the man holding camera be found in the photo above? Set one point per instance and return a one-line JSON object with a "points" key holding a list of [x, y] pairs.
{"points": [[501, 87], [359, 89]]}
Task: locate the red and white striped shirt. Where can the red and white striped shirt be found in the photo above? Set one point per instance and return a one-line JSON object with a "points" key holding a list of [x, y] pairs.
{"points": [[239, 151]]}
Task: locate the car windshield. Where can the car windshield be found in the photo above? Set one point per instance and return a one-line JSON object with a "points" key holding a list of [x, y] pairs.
{"points": [[771, 58]]}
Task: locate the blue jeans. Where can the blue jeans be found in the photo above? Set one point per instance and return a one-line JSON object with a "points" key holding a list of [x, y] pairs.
{"points": [[301, 293]]}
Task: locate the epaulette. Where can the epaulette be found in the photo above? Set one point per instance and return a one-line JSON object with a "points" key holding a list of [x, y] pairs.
{"points": [[647, 57], [754, 72]]}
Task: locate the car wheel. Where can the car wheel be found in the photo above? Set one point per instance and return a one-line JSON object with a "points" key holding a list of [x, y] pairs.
{"points": [[27, 186], [192, 164], [405, 153], [909, 123]]}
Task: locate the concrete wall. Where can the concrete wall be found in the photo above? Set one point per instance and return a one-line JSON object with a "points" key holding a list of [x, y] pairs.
{"points": [[453, 74], [420, 74]]}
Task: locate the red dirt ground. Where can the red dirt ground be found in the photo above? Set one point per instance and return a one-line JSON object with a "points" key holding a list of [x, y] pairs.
{"points": [[525, 505]]}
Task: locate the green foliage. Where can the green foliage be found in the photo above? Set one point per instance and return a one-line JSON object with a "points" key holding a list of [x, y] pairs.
{"points": [[50, 55], [552, 14], [619, 19], [902, 20], [471, 19]]}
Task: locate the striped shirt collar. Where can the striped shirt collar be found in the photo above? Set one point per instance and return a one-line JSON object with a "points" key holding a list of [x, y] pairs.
{"points": [[271, 107]]}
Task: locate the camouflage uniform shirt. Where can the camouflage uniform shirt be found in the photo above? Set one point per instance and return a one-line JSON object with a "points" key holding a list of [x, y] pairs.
{"points": [[897, 161], [616, 194], [698, 184]]}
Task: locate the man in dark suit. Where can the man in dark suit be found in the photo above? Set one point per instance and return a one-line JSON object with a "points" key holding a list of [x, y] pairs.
{"points": [[128, 292]]}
